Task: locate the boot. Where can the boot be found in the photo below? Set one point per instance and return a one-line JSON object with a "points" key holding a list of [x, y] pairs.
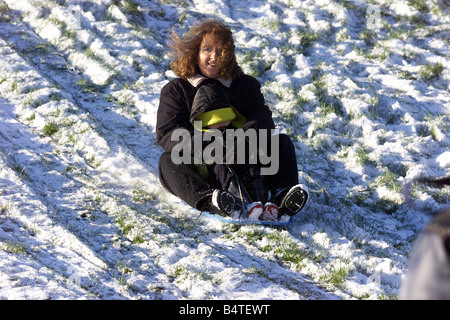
{"points": [[294, 200], [225, 204]]}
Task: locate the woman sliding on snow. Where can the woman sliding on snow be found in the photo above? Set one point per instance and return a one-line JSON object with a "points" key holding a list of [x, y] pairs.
{"points": [[212, 94]]}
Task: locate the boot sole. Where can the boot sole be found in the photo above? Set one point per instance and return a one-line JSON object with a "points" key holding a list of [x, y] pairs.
{"points": [[296, 199], [224, 201]]}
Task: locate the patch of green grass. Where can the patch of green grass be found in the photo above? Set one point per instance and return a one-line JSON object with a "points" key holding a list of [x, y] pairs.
{"points": [[434, 133], [254, 270], [336, 276], [14, 86], [177, 3], [4, 13], [4, 208], [251, 235], [14, 247], [58, 22], [388, 296], [72, 35], [183, 272], [380, 54], [389, 180], [363, 158], [369, 37], [122, 268], [31, 102], [138, 238], [273, 24], [50, 129], [327, 104], [21, 171], [307, 38], [429, 72], [32, 117], [328, 108], [91, 160], [42, 48], [91, 54], [130, 6], [88, 86], [252, 60], [124, 225], [420, 5], [358, 199], [385, 205], [441, 195], [133, 232], [142, 196], [291, 253], [179, 270]]}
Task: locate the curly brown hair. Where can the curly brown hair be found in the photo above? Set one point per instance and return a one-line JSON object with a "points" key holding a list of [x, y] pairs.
{"points": [[185, 50]]}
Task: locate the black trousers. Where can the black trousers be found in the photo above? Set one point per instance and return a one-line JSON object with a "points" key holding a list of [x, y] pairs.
{"points": [[185, 182]]}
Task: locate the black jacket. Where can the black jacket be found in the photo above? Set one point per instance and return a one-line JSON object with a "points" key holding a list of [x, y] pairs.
{"points": [[176, 100]]}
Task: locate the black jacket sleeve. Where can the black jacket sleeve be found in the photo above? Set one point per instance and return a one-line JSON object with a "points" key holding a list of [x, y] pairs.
{"points": [[173, 113], [252, 104]]}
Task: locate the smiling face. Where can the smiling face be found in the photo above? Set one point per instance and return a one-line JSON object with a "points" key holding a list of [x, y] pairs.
{"points": [[208, 54]]}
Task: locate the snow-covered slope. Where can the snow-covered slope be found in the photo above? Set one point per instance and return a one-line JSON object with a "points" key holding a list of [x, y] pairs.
{"points": [[362, 90]]}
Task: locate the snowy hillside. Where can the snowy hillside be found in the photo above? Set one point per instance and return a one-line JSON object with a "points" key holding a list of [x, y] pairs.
{"points": [[363, 93]]}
